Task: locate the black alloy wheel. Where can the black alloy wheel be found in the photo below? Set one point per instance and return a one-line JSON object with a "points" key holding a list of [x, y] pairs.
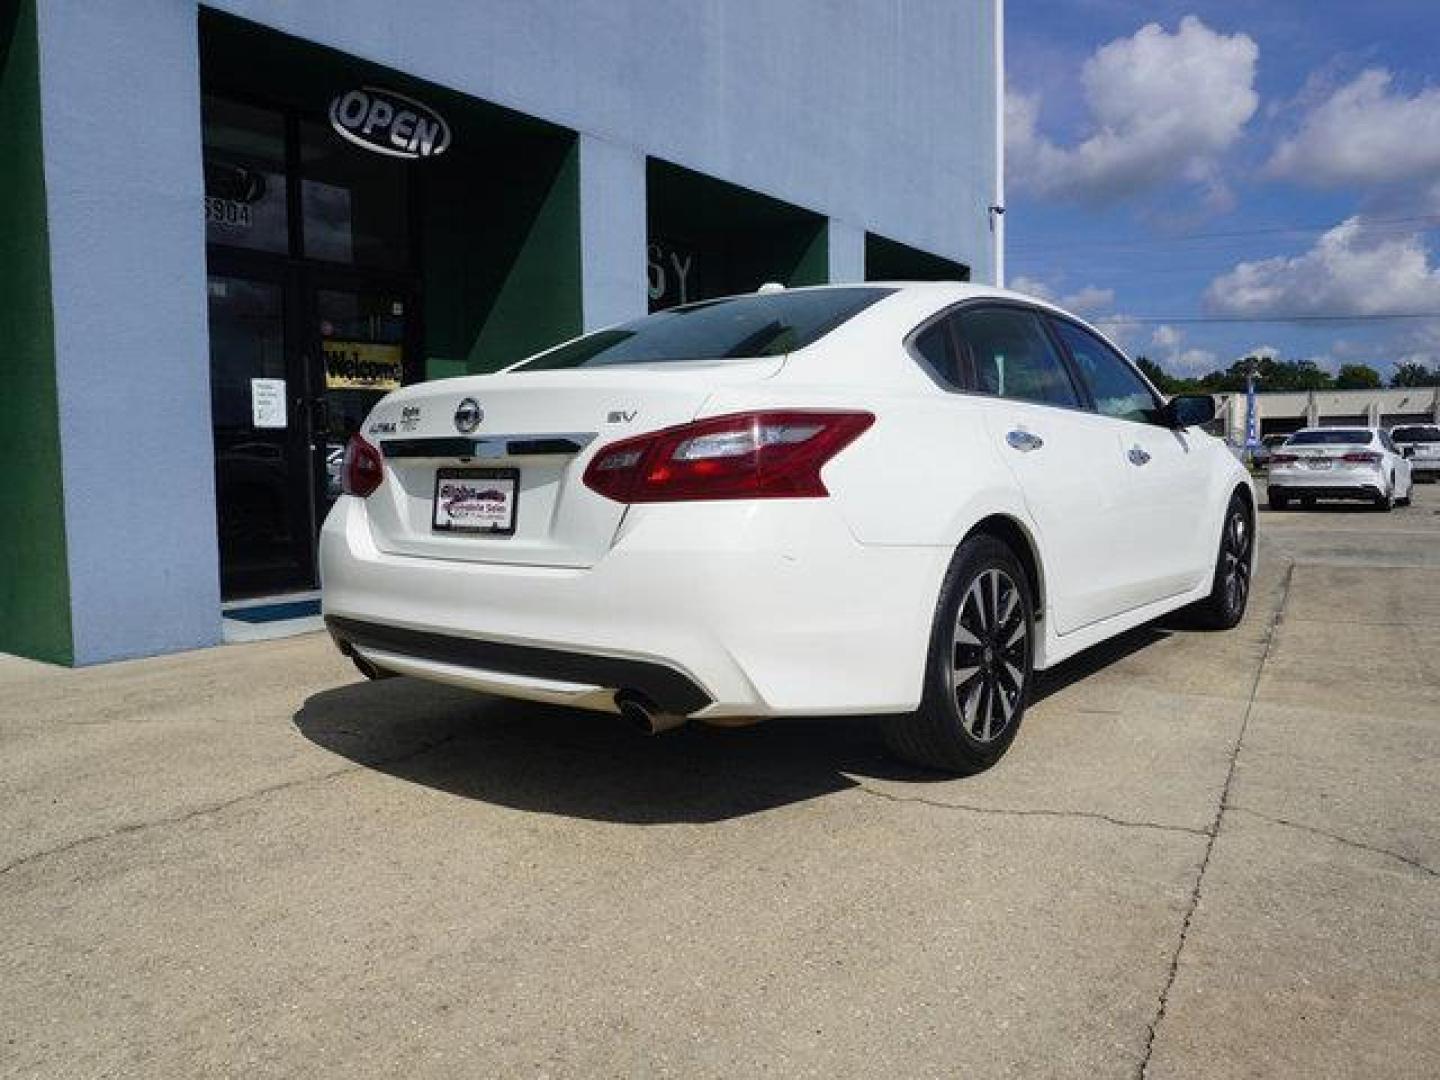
{"points": [[1234, 566], [977, 679]]}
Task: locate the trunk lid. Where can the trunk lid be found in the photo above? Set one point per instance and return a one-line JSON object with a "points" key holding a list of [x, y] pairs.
{"points": [[540, 428]]}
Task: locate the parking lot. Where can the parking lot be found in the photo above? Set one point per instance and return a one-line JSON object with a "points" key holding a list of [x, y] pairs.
{"points": [[1206, 856]]}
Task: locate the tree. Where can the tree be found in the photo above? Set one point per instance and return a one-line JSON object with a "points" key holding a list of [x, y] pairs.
{"points": [[1413, 374], [1357, 377], [1155, 374]]}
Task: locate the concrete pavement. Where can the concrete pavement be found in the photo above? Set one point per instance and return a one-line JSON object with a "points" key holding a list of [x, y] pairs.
{"points": [[1206, 855]]}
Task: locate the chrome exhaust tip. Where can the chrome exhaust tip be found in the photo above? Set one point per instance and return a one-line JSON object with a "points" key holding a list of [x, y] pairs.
{"points": [[640, 712], [369, 670]]}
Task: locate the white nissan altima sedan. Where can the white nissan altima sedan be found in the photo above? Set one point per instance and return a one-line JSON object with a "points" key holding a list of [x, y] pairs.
{"points": [[870, 499]]}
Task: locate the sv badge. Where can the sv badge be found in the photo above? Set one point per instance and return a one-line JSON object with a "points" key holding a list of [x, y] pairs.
{"points": [[621, 416]]}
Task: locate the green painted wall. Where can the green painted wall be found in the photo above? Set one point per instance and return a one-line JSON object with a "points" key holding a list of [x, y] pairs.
{"points": [[501, 253], [34, 583], [739, 239]]}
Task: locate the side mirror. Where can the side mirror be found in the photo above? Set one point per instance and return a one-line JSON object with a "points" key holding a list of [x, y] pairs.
{"points": [[1408, 451], [1189, 410]]}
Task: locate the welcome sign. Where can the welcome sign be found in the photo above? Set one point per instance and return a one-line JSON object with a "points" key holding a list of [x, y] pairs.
{"points": [[362, 365]]}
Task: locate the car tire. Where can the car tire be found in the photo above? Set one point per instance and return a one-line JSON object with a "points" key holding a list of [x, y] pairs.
{"points": [[1278, 499], [980, 664], [1386, 502], [1234, 566]]}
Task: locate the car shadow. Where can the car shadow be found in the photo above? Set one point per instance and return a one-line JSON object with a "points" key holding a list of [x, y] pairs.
{"points": [[552, 760]]}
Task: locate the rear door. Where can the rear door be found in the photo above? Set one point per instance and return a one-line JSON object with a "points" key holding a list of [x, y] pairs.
{"points": [[1065, 459], [1166, 538]]}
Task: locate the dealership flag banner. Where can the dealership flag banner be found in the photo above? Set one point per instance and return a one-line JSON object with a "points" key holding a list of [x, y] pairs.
{"points": [[1252, 434]]}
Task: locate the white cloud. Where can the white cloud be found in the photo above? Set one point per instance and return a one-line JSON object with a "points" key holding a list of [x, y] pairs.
{"points": [[1165, 337], [1123, 330], [1089, 299], [1164, 108], [1167, 348], [1364, 134], [1419, 344], [1347, 272], [1032, 287]]}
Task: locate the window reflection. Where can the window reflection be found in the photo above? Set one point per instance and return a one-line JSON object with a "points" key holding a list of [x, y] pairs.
{"points": [[244, 176], [353, 202]]}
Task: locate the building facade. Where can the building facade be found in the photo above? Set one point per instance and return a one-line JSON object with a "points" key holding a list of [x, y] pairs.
{"points": [[226, 230], [1279, 412]]}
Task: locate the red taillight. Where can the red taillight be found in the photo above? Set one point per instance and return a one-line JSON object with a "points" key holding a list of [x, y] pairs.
{"points": [[753, 455], [363, 469], [1363, 457], [1282, 459]]}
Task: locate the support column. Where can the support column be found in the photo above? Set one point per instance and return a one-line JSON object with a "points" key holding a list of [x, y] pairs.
{"points": [[124, 191], [612, 233], [847, 252]]}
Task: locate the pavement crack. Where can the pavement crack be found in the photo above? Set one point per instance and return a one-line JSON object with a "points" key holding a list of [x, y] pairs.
{"points": [[1002, 811], [216, 807], [1375, 849], [1143, 1067]]}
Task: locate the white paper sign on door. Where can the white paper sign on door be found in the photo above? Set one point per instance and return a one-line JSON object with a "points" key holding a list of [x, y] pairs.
{"points": [[267, 403]]}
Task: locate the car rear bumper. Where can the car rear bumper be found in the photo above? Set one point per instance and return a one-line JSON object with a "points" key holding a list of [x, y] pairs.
{"points": [[1333, 483], [708, 609], [1360, 489]]}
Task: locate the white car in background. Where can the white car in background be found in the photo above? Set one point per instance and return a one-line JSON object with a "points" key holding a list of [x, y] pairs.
{"points": [[877, 499], [1420, 444], [1339, 463]]}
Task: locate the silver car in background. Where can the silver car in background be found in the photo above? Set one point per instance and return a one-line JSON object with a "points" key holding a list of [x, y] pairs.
{"points": [[1420, 443], [1339, 463]]}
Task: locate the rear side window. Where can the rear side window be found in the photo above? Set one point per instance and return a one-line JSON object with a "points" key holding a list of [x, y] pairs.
{"points": [[1118, 391], [936, 348], [764, 324], [1011, 356], [1331, 437]]}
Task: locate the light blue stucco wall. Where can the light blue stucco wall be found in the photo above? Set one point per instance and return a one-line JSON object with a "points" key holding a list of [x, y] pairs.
{"points": [[846, 244], [120, 103], [880, 113], [612, 233]]}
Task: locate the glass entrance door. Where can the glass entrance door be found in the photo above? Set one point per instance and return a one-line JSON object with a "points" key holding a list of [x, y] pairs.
{"points": [[262, 460], [297, 360]]}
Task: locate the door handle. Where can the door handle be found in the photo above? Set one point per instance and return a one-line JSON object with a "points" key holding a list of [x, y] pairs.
{"points": [[1024, 441], [1137, 455]]}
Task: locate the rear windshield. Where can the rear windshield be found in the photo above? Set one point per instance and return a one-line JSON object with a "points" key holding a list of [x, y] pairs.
{"points": [[764, 324], [1331, 437], [1415, 434]]}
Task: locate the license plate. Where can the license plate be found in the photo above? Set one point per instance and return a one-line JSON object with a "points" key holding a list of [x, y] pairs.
{"points": [[1321, 464], [475, 501]]}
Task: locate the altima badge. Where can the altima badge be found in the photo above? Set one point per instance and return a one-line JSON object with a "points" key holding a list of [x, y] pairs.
{"points": [[468, 416]]}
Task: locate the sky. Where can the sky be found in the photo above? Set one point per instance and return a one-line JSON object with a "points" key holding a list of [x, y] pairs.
{"points": [[1214, 179]]}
